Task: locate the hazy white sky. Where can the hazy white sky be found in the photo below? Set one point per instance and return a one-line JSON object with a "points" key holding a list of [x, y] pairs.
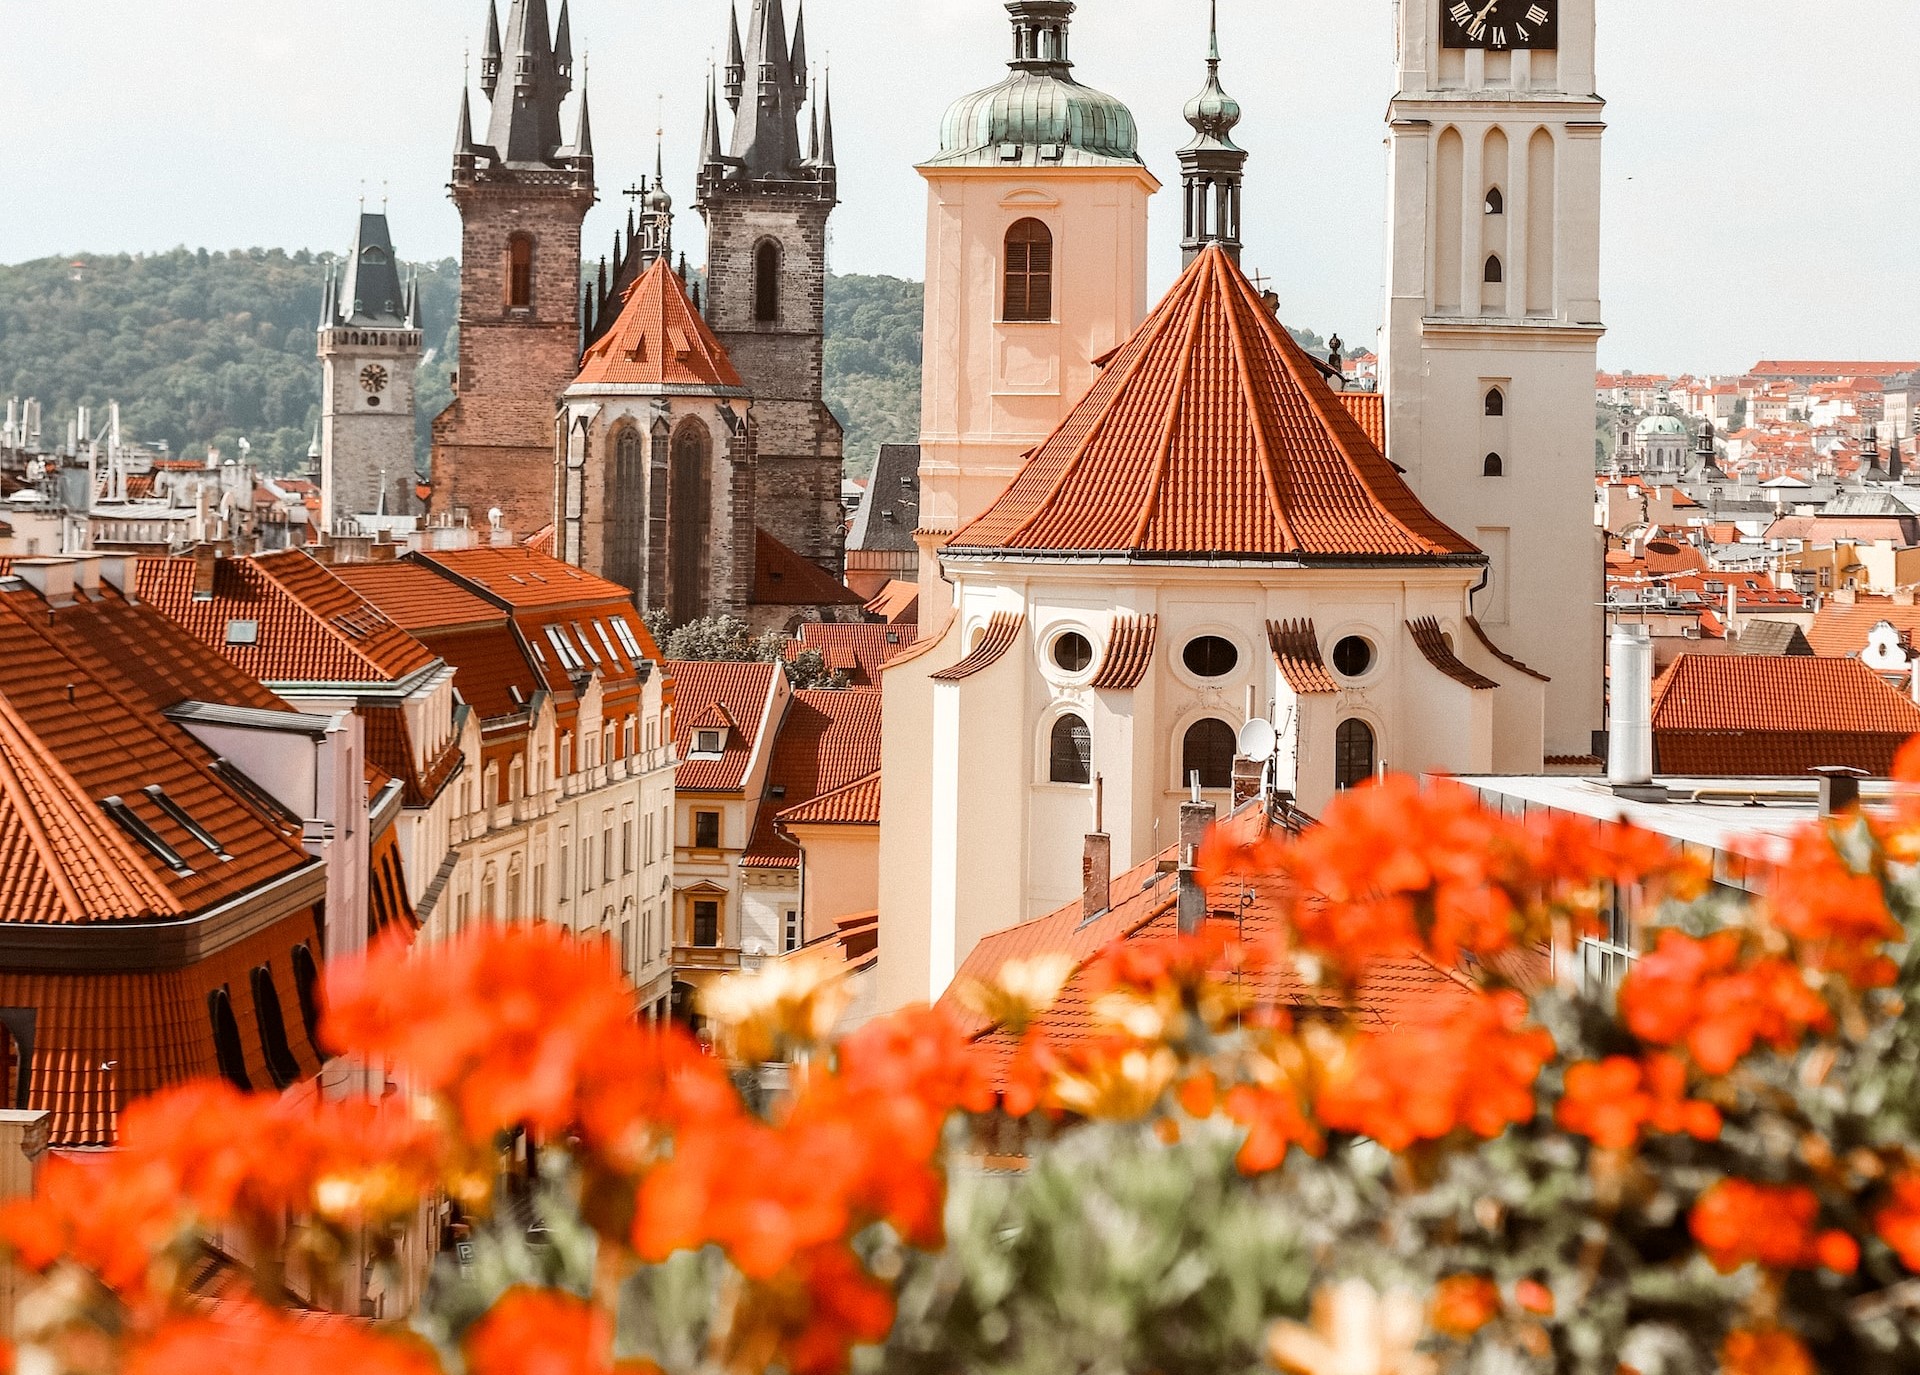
{"points": [[1763, 185]]}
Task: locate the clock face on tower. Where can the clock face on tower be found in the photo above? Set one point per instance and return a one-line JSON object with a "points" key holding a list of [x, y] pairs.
{"points": [[1500, 25], [373, 378]]}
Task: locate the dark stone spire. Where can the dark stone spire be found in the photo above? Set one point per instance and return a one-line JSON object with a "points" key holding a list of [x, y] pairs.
{"points": [[1212, 165], [813, 128], [463, 135], [797, 59], [766, 130], [524, 130], [710, 130], [736, 60], [563, 49], [369, 291], [583, 132], [490, 55], [826, 120]]}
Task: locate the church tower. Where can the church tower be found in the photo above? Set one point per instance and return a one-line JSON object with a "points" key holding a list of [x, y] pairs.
{"points": [[522, 194], [1493, 317], [766, 200], [1036, 267], [369, 351]]}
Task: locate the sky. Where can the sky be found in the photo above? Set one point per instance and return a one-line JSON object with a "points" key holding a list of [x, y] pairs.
{"points": [[1762, 185]]}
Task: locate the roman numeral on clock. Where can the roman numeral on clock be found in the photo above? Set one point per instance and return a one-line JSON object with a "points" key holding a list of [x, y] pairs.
{"points": [[1536, 15]]}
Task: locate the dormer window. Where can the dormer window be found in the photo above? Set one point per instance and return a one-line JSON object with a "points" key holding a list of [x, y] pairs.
{"points": [[711, 742]]}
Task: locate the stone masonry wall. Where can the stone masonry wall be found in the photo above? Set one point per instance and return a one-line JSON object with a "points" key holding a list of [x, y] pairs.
{"points": [[494, 446], [359, 439]]}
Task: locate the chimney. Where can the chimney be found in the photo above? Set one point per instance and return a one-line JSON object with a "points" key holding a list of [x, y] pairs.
{"points": [[206, 559], [51, 578], [1096, 861], [119, 571], [1247, 774], [1195, 818], [1630, 729], [1839, 789], [86, 573]]}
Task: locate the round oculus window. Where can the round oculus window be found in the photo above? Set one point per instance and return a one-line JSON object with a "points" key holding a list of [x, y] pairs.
{"points": [[1072, 652], [1352, 657], [1210, 656]]}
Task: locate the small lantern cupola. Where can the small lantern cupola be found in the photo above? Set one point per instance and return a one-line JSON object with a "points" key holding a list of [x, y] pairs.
{"points": [[1212, 165]]}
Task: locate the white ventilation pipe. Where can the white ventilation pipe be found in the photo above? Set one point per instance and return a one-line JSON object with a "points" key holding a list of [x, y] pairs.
{"points": [[1630, 696]]}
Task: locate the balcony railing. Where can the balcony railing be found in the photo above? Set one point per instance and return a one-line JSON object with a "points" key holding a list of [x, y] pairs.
{"points": [[706, 956]]}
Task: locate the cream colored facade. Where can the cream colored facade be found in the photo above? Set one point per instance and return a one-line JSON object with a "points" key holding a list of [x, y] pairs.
{"points": [[975, 839], [1464, 124], [990, 388], [840, 873]]}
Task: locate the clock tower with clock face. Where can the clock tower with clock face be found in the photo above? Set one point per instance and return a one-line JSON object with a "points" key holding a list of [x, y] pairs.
{"points": [[369, 350], [1493, 318]]}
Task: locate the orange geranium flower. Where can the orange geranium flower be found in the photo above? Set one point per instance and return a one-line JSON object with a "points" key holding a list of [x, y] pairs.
{"points": [[244, 1338], [1703, 993], [1611, 1101], [1765, 1351], [540, 1332], [1463, 1304], [1737, 1221], [1475, 1071], [1838, 916], [1898, 1221]]}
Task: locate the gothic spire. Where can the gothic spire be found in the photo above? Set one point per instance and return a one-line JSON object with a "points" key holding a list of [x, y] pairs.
{"points": [[1212, 164], [736, 60], [524, 129], [797, 59], [826, 120], [813, 128], [463, 135], [710, 130], [563, 50], [766, 132], [490, 55], [583, 133]]}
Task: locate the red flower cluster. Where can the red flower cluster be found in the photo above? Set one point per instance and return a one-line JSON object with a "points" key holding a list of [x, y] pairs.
{"points": [[1612, 1101], [1705, 994], [1398, 867], [208, 1154], [1737, 1221], [541, 1332], [1898, 1221], [1463, 1304], [244, 1338], [1474, 1071], [1765, 1351], [1839, 917]]}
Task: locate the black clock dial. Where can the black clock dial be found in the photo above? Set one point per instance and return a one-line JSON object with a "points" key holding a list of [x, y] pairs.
{"points": [[1500, 25]]}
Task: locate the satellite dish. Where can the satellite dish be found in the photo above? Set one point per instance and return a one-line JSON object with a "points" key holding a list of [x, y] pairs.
{"points": [[1258, 740]]}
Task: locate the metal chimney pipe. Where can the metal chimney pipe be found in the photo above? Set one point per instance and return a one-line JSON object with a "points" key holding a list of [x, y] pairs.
{"points": [[1630, 699]]}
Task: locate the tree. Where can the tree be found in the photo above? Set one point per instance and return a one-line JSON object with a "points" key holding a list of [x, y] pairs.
{"points": [[727, 639]]}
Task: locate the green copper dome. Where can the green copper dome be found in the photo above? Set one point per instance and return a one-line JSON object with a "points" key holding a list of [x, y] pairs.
{"points": [[1655, 425], [1039, 116]]}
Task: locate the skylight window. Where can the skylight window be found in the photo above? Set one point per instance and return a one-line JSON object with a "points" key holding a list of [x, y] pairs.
{"points": [[131, 823], [586, 642], [185, 821], [569, 656], [613, 655], [628, 641], [243, 632]]}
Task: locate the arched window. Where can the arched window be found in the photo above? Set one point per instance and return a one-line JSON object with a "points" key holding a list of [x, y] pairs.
{"points": [[627, 504], [281, 1064], [766, 282], [1352, 753], [1029, 293], [226, 1040], [520, 272], [1494, 273], [690, 518], [1492, 467], [1496, 203], [1496, 401], [1208, 751], [306, 984], [1070, 760]]}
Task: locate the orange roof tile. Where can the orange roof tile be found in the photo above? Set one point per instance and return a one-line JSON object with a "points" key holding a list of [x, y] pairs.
{"points": [[897, 603], [1129, 652], [1211, 433], [860, 651], [743, 689], [1839, 629], [1002, 630], [1370, 409], [659, 340], [415, 597], [830, 737], [852, 804], [1725, 714], [1486, 643], [782, 578], [519, 578], [283, 617], [491, 670], [1433, 646], [1296, 649]]}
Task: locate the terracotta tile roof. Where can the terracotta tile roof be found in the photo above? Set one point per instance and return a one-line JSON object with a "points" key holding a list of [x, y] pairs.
{"points": [[852, 804], [1129, 652], [1369, 408], [492, 672], [743, 689], [1296, 649], [898, 603], [782, 578], [1396, 992], [77, 728], [541, 540], [1724, 714], [518, 578], [1839, 630], [1794, 367], [1002, 630], [716, 715], [1486, 643], [414, 597], [104, 1039], [830, 737], [860, 651], [1433, 646], [388, 907], [284, 618], [1212, 433], [659, 340]]}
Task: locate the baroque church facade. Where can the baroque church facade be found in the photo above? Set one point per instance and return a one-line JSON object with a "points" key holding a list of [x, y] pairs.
{"points": [[1208, 532]]}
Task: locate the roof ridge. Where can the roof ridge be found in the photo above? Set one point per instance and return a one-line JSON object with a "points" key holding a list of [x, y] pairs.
{"points": [[1256, 413], [1163, 448], [329, 621]]}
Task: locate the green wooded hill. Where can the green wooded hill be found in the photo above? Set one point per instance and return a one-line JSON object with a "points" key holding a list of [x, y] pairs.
{"points": [[206, 347]]}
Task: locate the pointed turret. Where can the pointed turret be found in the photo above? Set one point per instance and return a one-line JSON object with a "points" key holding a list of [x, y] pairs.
{"points": [[563, 50], [583, 132], [490, 55], [463, 158], [826, 120], [813, 131], [797, 58], [736, 60], [710, 130], [369, 290], [524, 129], [327, 299], [766, 128], [1212, 164]]}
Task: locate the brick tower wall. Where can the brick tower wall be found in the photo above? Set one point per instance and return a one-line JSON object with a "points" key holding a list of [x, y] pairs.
{"points": [[796, 440], [494, 446]]}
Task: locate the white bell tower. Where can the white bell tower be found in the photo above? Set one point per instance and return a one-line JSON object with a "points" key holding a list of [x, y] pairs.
{"points": [[1493, 318]]}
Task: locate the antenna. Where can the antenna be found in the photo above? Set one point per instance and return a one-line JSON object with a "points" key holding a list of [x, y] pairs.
{"points": [[1258, 740]]}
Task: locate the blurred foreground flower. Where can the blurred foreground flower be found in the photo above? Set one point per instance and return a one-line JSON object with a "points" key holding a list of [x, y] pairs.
{"points": [[1355, 1331], [785, 1007], [1020, 991]]}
